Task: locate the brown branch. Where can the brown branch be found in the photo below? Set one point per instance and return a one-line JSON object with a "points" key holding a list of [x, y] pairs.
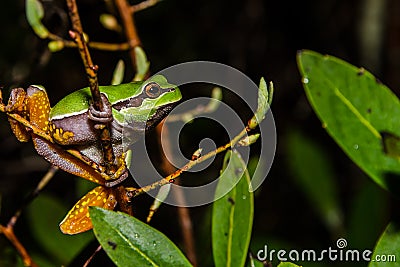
{"points": [[129, 27], [8, 230], [183, 212], [95, 45], [143, 5], [91, 72], [195, 160], [9, 234], [98, 249]]}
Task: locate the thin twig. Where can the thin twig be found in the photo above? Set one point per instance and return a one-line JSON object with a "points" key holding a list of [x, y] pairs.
{"points": [[92, 256], [94, 45], [198, 159], [143, 5], [91, 71], [97, 45], [211, 107], [129, 27], [9, 234], [8, 230]]}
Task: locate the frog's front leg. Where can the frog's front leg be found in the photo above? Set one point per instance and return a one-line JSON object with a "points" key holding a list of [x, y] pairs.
{"points": [[102, 116], [105, 117]]}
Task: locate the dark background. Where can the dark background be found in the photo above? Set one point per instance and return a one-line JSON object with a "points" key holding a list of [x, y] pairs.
{"points": [[260, 38]]}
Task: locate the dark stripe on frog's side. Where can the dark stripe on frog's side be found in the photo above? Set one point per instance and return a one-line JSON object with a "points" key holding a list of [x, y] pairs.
{"points": [[137, 100]]}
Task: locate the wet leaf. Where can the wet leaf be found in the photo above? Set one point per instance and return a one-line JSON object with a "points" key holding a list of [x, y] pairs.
{"points": [[387, 250], [264, 101], [232, 216], [142, 64], [354, 108], [130, 242]]}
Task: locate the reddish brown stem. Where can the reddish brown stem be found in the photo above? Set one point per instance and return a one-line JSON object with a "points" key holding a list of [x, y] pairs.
{"points": [[183, 212], [9, 234], [143, 5], [129, 27]]}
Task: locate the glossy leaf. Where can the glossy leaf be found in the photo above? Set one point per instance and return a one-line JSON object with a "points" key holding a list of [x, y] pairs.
{"points": [[34, 14], [142, 64], [118, 75], [130, 242], [355, 109], [162, 194], [388, 247], [313, 171], [264, 100], [232, 216]]}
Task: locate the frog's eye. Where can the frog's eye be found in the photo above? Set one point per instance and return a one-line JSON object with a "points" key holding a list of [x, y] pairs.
{"points": [[152, 90]]}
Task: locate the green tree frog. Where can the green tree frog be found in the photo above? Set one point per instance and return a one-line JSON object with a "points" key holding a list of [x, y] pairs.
{"points": [[75, 147]]}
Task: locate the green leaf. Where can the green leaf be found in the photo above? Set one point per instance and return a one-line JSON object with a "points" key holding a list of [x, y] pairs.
{"points": [[45, 214], [110, 22], [161, 196], [263, 102], [355, 108], [252, 262], [287, 264], [34, 14], [387, 247], [312, 168], [130, 242], [118, 75], [232, 216], [142, 65], [249, 140], [55, 46]]}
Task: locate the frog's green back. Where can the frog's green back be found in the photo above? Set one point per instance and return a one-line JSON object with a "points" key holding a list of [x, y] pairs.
{"points": [[78, 101]]}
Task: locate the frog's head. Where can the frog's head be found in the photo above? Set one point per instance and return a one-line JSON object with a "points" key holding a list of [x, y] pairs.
{"points": [[154, 100]]}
